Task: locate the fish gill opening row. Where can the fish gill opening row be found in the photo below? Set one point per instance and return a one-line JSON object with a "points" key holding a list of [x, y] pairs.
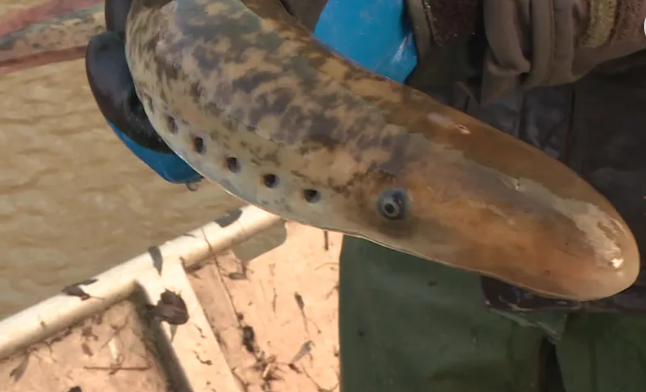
{"points": [[232, 164]]}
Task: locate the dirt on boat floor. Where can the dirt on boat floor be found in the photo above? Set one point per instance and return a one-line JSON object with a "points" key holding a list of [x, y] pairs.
{"points": [[274, 315]]}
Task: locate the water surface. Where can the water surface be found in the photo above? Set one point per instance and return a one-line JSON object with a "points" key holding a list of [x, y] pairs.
{"points": [[73, 200]]}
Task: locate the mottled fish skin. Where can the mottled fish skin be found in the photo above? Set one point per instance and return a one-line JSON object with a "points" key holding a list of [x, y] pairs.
{"points": [[247, 97]]}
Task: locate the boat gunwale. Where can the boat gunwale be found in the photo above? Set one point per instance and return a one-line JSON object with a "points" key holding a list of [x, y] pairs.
{"points": [[150, 272]]}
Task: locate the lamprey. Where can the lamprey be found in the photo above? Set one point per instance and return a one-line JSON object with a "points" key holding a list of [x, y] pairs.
{"points": [[247, 97]]}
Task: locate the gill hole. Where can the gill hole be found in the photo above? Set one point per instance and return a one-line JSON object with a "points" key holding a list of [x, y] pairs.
{"points": [[270, 180], [172, 125], [233, 164], [198, 144], [311, 195]]}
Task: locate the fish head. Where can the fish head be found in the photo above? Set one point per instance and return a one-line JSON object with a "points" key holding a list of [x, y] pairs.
{"points": [[395, 210], [465, 215]]}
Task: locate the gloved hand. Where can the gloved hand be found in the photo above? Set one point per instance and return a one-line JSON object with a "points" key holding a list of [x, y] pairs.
{"points": [[114, 91]]}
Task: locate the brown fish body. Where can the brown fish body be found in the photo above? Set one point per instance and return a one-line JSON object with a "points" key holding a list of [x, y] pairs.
{"points": [[250, 100]]}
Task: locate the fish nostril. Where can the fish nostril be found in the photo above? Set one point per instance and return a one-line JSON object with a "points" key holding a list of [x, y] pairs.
{"points": [[198, 144], [233, 164], [270, 180], [172, 125], [311, 195]]}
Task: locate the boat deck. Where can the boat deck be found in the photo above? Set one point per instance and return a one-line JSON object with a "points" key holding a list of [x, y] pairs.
{"points": [[262, 309]]}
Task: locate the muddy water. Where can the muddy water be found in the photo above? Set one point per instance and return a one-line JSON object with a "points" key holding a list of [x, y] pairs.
{"points": [[73, 200]]}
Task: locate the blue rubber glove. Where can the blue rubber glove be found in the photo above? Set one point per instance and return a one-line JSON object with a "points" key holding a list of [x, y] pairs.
{"points": [[114, 92], [375, 34]]}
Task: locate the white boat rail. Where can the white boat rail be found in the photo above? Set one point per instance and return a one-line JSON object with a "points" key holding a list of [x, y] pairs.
{"points": [[151, 273]]}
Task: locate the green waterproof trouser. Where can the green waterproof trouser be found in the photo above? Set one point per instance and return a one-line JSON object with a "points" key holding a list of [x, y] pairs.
{"points": [[409, 325]]}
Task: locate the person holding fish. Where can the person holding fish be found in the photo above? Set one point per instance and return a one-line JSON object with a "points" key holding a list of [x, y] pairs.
{"points": [[566, 77]]}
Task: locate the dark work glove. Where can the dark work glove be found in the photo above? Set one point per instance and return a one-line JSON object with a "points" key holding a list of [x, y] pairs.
{"points": [[114, 91]]}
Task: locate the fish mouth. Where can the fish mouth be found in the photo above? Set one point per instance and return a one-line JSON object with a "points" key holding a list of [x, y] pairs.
{"points": [[536, 240], [585, 279], [26, 37]]}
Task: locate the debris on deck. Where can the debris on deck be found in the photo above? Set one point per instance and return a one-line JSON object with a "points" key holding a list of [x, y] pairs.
{"points": [[109, 352], [274, 315], [261, 327]]}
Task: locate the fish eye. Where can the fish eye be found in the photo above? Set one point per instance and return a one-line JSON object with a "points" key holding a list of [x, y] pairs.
{"points": [[392, 204]]}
